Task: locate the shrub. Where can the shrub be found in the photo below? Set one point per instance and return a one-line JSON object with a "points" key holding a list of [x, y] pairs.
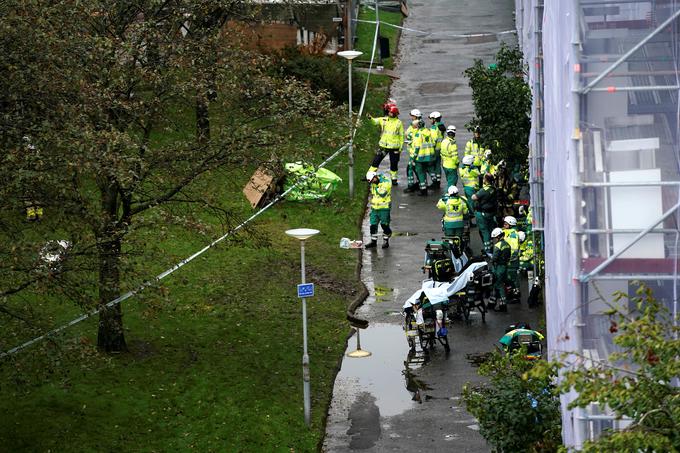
{"points": [[502, 101], [515, 413], [322, 72]]}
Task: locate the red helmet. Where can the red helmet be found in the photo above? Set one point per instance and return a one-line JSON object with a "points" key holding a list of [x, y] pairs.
{"points": [[393, 109]]}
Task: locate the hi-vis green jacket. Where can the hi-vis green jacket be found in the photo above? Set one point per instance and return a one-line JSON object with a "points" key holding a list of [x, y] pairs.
{"points": [[391, 132]]}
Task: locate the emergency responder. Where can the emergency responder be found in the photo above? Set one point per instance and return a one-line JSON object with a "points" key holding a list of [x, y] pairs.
{"points": [[499, 264], [391, 141], [381, 201], [423, 149], [449, 155], [511, 237], [438, 131], [485, 211], [411, 177], [469, 175], [487, 166], [455, 209], [474, 147], [526, 252]]}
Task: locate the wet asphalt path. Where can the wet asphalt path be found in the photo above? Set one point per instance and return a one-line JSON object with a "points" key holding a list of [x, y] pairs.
{"points": [[391, 401]]}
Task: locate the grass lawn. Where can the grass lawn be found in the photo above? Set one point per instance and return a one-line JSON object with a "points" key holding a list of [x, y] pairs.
{"points": [[215, 352]]}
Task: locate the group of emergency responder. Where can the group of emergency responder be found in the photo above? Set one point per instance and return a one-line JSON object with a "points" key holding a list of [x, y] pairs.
{"points": [[432, 149]]}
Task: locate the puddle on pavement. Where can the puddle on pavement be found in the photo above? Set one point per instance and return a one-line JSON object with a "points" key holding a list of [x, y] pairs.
{"points": [[386, 373], [478, 358]]}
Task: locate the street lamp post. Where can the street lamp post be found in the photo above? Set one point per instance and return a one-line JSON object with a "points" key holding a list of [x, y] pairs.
{"points": [[303, 234], [350, 55]]}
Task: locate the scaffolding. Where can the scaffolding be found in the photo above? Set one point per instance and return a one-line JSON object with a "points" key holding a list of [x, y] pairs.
{"points": [[604, 167]]}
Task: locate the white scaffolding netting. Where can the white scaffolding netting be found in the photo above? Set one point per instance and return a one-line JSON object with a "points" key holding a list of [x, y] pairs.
{"points": [[604, 75]]}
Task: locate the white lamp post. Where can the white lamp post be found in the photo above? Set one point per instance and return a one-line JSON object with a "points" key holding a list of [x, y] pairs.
{"points": [[350, 55], [303, 234]]}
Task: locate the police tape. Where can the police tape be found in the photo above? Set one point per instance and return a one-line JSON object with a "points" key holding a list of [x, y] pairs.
{"points": [[443, 34], [169, 271], [368, 78], [187, 260]]}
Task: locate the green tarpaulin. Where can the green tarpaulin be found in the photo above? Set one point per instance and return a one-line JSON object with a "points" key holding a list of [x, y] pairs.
{"points": [[319, 183]]}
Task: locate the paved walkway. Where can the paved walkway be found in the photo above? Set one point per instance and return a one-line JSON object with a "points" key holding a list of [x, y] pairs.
{"points": [[393, 401]]}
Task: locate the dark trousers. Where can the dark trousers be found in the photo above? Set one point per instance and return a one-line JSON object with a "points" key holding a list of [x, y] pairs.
{"points": [[394, 158]]}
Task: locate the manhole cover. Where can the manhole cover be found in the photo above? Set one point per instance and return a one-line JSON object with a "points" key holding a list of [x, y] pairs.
{"points": [[437, 88]]}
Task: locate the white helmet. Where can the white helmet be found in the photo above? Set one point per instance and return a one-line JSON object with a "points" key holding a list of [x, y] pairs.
{"points": [[453, 190], [435, 115], [468, 160], [510, 220], [496, 232], [370, 175], [416, 113], [521, 235], [450, 129], [487, 153]]}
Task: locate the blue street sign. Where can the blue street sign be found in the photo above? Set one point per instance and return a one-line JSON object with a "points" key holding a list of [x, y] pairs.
{"points": [[305, 290]]}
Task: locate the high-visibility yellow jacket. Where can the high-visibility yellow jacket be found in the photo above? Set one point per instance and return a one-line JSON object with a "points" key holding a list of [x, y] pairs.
{"points": [[423, 145], [454, 209], [526, 251], [470, 176], [475, 150], [449, 153], [391, 132], [410, 133], [437, 136], [512, 239], [381, 193], [530, 220], [488, 167]]}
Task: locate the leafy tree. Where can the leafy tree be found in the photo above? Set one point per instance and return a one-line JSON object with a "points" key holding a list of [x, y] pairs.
{"points": [[639, 382], [515, 413], [96, 99], [502, 101]]}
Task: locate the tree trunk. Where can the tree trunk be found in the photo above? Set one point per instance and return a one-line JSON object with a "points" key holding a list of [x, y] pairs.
{"points": [[110, 336], [202, 120]]}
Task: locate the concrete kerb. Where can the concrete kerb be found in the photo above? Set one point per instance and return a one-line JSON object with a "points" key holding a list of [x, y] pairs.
{"points": [[351, 317]]}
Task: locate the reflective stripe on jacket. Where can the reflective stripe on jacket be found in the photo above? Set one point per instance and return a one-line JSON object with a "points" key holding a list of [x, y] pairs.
{"points": [[437, 135], [470, 176], [382, 193], [475, 150], [424, 146], [512, 239], [391, 132], [409, 136], [454, 210], [526, 251], [449, 153]]}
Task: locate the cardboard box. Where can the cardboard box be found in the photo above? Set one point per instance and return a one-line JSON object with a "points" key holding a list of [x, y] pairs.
{"points": [[261, 187]]}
